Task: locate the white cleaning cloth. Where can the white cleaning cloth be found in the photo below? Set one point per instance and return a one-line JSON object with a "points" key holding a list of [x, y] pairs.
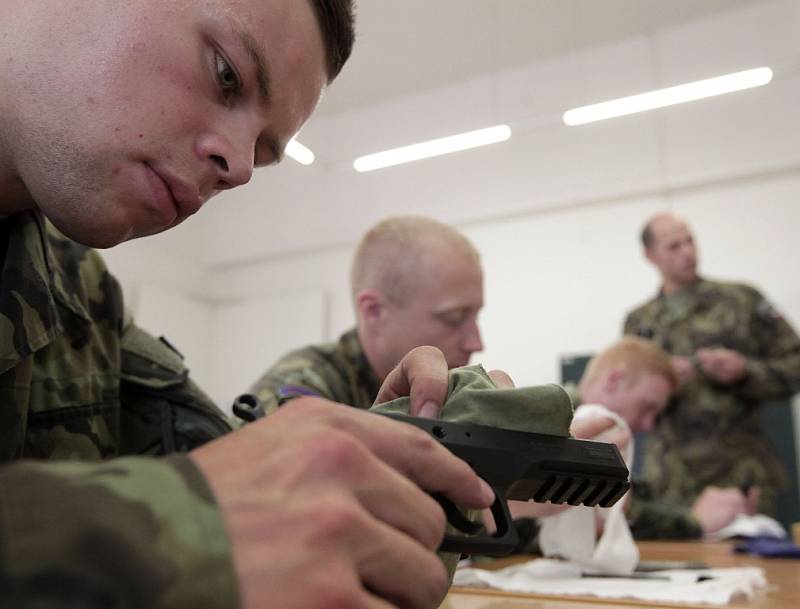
{"points": [[556, 578], [572, 534]]}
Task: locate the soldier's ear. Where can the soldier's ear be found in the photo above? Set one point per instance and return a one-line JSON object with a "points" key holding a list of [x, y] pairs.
{"points": [[614, 380], [370, 308]]}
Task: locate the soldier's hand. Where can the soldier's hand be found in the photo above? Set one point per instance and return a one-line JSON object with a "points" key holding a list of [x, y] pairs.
{"points": [[722, 365], [423, 376], [601, 429], [327, 506], [716, 507], [684, 368]]}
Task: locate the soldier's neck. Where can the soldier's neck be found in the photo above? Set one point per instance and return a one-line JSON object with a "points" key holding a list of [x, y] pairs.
{"points": [[14, 196], [673, 287]]}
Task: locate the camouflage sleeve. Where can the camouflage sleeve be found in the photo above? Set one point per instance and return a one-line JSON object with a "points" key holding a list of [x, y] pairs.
{"points": [[632, 325], [775, 372], [133, 532], [295, 374], [627, 325], [652, 519]]}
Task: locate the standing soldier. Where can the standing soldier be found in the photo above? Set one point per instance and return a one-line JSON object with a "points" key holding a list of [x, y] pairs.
{"points": [[731, 350]]}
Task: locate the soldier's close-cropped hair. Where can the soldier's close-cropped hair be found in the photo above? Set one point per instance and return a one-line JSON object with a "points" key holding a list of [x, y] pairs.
{"points": [[336, 21], [390, 256], [636, 357]]}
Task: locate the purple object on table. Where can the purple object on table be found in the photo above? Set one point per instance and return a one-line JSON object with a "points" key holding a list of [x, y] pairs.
{"points": [[768, 547]]}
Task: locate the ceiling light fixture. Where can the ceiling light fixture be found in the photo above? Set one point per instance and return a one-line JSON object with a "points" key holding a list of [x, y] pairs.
{"points": [[299, 153], [425, 150], [669, 96]]}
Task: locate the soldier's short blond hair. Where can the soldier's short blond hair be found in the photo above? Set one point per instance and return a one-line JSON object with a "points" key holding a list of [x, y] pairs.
{"points": [[389, 256], [636, 357]]}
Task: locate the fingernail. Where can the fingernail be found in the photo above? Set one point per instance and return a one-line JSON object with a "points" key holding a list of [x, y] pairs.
{"points": [[429, 410], [487, 492]]}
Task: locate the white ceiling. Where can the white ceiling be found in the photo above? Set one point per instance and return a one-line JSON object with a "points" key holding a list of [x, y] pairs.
{"points": [[408, 46]]}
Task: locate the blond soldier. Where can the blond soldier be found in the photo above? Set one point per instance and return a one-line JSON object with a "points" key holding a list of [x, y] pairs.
{"points": [[635, 378], [414, 281]]}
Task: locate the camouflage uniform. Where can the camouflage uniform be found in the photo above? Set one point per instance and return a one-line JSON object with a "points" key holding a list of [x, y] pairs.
{"points": [[336, 371], [78, 381], [710, 433]]}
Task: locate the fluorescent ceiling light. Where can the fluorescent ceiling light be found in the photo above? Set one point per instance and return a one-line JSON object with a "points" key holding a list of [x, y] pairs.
{"points": [[425, 150], [667, 97], [299, 153]]}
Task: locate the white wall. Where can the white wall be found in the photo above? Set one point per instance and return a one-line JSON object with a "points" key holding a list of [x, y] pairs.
{"points": [[560, 282], [252, 332]]}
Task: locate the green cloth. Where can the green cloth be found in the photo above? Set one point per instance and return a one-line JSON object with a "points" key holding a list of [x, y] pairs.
{"points": [[80, 382], [710, 434], [472, 397]]}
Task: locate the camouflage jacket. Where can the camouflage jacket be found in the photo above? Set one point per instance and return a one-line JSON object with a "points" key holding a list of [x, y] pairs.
{"points": [[710, 433], [80, 382], [336, 371]]}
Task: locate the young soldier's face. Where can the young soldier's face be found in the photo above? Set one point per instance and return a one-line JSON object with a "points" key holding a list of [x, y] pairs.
{"points": [[442, 311], [641, 401], [128, 116]]}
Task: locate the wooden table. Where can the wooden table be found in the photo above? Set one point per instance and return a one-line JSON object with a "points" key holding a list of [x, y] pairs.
{"points": [[783, 576]]}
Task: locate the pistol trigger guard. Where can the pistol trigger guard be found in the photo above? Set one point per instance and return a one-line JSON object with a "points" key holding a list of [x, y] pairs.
{"points": [[502, 517], [502, 543], [454, 516]]}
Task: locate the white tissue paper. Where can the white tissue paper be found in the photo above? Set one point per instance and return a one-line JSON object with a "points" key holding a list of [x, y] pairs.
{"points": [[548, 577], [605, 568], [572, 534]]}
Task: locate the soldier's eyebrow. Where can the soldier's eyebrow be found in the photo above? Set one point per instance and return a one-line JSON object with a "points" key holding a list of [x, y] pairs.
{"points": [[259, 62], [263, 85]]}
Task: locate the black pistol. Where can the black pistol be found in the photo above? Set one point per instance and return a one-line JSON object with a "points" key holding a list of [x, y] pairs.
{"points": [[518, 465], [524, 466]]}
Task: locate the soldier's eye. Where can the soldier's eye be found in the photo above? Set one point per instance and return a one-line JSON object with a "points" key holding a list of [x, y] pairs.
{"points": [[453, 318], [227, 77]]}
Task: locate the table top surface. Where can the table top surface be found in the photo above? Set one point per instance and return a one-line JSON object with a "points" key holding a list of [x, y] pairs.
{"points": [[783, 577]]}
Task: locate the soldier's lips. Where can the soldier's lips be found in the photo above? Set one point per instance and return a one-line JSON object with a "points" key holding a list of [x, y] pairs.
{"points": [[173, 196]]}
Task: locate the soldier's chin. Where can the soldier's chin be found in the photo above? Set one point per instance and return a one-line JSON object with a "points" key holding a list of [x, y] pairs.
{"points": [[108, 234], [99, 235]]}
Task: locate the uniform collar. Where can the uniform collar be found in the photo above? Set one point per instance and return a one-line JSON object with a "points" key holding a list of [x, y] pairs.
{"points": [[33, 283], [354, 352], [693, 288]]}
